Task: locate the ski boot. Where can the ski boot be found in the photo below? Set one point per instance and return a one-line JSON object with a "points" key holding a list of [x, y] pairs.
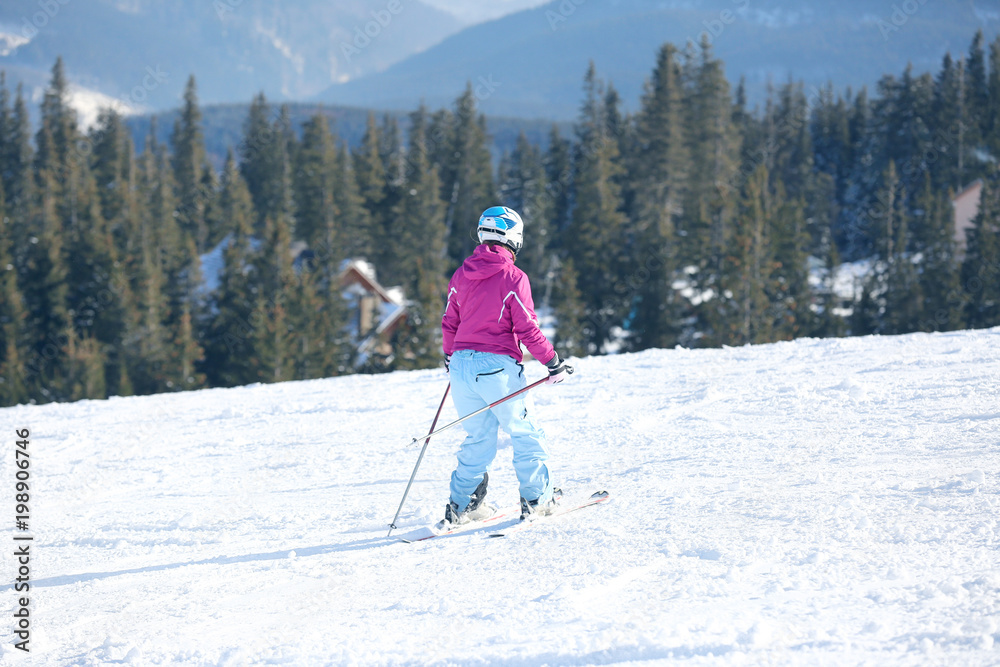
{"points": [[532, 508], [476, 510]]}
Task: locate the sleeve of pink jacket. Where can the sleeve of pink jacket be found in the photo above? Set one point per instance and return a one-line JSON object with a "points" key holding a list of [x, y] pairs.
{"points": [[526, 322], [449, 321]]}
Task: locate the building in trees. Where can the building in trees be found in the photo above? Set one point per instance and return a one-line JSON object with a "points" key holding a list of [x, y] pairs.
{"points": [[375, 312]]}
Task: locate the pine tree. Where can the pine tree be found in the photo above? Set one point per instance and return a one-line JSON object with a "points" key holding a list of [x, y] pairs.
{"points": [[20, 213], [618, 128], [420, 262], [569, 312], [889, 213], [116, 180], [904, 302], [853, 231], [991, 126], [266, 155], [977, 98], [306, 334], [417, 342], [147, 347], [903, 119], [100, 297], [179, 245], [867, 313], [167, 279], [793, 160], [43, 278], [111, 165], [829, 323], [439, 145], [84, 377], [708, 170], [894, 284], [144, 345], [208, 187], [747, 316], [934, 242], [13, 342], [188, 164], [391, 253], [597, 222], [282, 203], [946, 114], [522, 188], [56, 142], [229, 347], [16, 174], [660, 174], [963, 127], [831, 134], [467, 177], [189, 352], [6, 137], [271, 360], [355, 222], [185, 307], [256, 153], [558, 181], [369, 171], [790, 294], [981, 267], [316, 209]]}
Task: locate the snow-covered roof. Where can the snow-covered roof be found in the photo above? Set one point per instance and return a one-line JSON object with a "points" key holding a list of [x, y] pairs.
{"points": [[390, 312], [363, 266]]}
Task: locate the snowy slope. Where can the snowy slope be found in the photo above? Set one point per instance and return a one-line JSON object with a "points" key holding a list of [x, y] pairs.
{"points": [[813, 502]]}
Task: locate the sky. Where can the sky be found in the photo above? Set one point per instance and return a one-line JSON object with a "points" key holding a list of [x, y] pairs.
{"points": [[477, 11]]}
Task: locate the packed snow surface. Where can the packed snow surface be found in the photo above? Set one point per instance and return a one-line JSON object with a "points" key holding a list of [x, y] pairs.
{"points": [[812, 502]]}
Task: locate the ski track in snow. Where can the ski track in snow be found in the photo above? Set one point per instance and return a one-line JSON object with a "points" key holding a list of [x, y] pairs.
{"points": [[812, 502]]}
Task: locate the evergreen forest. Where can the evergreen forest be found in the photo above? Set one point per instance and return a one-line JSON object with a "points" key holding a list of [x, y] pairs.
{"points": [[693, 220]]}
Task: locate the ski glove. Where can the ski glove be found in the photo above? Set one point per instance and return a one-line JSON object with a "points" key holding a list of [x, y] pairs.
{"points": [[447, 363], [559, 370]]}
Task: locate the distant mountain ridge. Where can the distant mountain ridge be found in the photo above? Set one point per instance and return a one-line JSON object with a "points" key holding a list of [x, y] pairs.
{"points": [[222, 125], [235, 48], [535, 59], [391, 54]]}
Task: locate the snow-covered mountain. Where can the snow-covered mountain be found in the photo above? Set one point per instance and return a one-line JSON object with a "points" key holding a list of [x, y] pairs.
{"points": [[235, 48], [390, 54], [532, 63], [811, 502]]}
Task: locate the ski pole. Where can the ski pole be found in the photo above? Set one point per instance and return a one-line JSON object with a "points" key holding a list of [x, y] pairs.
{"points": [[392, 526], [488, 407]]}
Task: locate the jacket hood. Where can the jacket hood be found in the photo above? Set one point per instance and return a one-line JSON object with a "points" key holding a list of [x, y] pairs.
{"points": [[486, 261]]}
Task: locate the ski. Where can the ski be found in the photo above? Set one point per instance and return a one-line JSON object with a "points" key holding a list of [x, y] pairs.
{"points": [[594, 499], [430, 532]]}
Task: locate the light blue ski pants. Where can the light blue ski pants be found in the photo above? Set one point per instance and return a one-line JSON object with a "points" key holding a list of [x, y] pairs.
{"points": [[478, 379]]}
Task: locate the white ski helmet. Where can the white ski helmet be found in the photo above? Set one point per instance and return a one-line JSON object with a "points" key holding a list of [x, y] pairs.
{"points": [[499, 223]]}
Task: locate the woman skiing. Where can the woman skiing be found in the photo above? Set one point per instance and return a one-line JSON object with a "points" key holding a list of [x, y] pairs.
{"points": [[488, 315]]}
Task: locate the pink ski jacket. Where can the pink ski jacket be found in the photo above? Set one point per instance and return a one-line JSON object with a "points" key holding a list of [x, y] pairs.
{"points": [[490, 308]]}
